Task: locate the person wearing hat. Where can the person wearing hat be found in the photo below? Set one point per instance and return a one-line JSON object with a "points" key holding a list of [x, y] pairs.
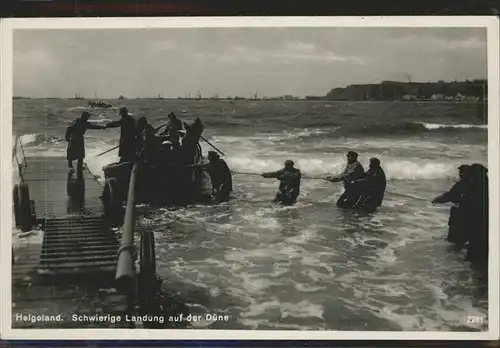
{"points": [[76, 143], [289, 188], [353, 171], [457, 233], [372, 187], [127, 126]]}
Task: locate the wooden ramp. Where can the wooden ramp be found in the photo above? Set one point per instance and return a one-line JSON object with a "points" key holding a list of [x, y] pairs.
{"points": [[83, 244], [57, 194], [72, 270]]}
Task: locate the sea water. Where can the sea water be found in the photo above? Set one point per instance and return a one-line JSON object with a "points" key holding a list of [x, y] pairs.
{"points": [[311, 265]]}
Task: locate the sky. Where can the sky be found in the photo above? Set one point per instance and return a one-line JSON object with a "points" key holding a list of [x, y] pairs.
{"points": [[238, 61]]}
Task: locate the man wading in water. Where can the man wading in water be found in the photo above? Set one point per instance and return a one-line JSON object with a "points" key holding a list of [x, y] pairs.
{"points": [[354, 171], [289, 188], [220, 176], [457, 232], [372, 187], [76, 143]]}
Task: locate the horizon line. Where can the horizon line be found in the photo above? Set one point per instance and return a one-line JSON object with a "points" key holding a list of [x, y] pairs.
{"points": [[261, 97]]}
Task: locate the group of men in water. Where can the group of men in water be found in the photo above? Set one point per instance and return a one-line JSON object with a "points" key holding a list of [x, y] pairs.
{"points": [[468, 222], [363, 190]]}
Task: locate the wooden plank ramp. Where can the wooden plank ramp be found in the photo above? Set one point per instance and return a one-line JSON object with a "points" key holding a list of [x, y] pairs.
{"points": [[71, 272]]}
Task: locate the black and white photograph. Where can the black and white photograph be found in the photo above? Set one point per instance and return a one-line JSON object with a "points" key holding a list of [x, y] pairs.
{"points": [[215, 180]]}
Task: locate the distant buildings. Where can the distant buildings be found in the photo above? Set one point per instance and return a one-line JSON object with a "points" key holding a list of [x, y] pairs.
{"points": [[410, 97], [437, 96], [468, 90]]}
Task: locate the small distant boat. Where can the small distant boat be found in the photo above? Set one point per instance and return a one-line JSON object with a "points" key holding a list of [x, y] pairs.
{"points": [[121, 97], [99, 104], [77, 97], [160, 97]]}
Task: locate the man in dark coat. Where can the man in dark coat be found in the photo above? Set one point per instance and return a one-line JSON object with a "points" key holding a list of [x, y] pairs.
{"points": [[76, 143], [289, 188], [476, 208], [145, 142], [127, 135], [220, 176], [372, 186], [172, 130], [457, 232], [353, 171]]}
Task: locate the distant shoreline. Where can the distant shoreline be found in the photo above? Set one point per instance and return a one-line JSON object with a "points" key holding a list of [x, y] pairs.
{"points": [[387, 91], [265, 100]]}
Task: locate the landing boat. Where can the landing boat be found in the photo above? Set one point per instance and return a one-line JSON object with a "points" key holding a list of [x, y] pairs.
{"points": [[165, 180]]}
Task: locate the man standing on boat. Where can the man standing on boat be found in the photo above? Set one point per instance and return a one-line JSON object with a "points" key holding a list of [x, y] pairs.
{"points": [[76, 143], [289, 188], [145, 142], [172, 129], [127, 135]]}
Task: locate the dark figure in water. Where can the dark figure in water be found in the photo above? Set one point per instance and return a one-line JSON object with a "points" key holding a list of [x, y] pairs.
{"points": [[172, 129], [354, 171], [475, 203], [457, 223], [127, 135], [289, 188], [76, 143], [372, 187], [220, 176]]}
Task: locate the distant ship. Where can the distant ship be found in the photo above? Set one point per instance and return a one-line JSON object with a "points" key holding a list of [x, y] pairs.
{"points": [[77, 97]]}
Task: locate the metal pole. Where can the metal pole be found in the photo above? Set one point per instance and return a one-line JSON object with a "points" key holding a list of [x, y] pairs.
{"points": [[125, 275]]}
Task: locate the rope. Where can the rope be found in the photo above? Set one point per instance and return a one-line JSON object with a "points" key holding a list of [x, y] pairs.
{"points": [[407, 196], [14, 156], [14, 148], [257, 174], [318, 178]]}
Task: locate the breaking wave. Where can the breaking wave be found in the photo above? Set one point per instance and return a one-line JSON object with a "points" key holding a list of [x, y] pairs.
{"points": [[396, 169], [385, 129], [390, 128], [36, 139], [433, 126]]}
